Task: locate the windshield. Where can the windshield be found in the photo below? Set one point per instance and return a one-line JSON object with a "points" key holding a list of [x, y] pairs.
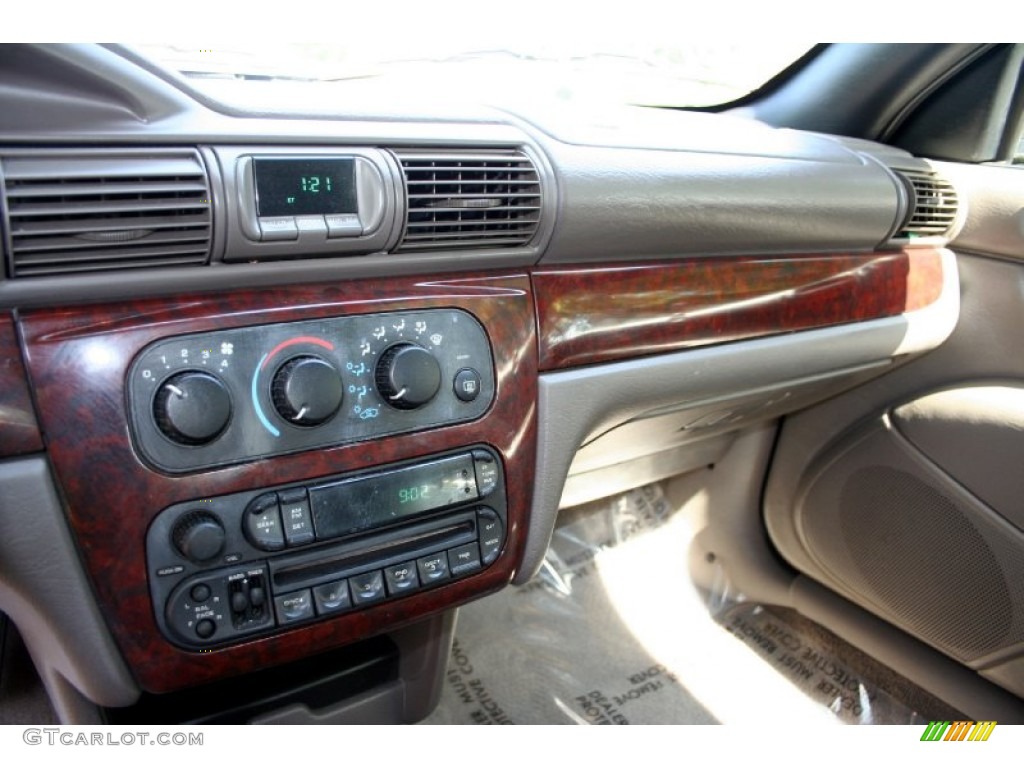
{"points": [[648, 73]]}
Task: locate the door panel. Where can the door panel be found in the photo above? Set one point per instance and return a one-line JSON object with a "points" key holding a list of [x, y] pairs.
{"points": [[903, 495]]}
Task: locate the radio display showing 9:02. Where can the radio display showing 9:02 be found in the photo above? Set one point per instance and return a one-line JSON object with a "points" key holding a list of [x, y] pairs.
{"points": [[413, 493]]}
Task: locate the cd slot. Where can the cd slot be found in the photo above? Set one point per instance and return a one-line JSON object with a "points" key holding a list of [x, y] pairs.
{"points": [[353, 557]]}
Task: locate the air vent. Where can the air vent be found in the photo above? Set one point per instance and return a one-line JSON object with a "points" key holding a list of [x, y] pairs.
{"points": [[467, 199], [933, 205], [82, 212]]}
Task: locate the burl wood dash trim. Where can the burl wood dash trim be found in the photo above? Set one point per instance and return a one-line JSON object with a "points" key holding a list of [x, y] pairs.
{"points": [[79, 359], [19, 431], [612, 312]]}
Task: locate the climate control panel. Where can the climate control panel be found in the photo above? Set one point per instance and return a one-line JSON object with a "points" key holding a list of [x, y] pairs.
{"points": [[230, 567], [210, 399]]}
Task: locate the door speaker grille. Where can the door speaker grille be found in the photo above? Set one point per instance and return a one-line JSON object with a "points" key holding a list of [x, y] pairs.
{"points": [[919, 555], [903, 540]]}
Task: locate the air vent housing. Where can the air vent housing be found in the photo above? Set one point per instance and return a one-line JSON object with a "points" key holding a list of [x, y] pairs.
{"points": [[468, 199], [933, 205], [82, 211]]}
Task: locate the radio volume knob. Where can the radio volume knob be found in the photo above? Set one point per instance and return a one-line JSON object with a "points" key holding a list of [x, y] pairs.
{"points": [[192, 408], [306, 390], [407, 376], [199, 536]]}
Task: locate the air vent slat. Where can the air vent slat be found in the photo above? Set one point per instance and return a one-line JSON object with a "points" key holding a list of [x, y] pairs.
{"points": [[482, 208], [112, 225], [466, 195], [71, 244], [125, 166], [478, 157], [39, 259], [933, 204], [75, 212], [491, 173], [476, 184], [456, 231], [461, 199], [110, 187]]}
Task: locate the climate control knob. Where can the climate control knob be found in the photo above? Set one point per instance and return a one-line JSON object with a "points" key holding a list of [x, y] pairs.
{"points": [[307, 390], [192, 408], [407, 376]]}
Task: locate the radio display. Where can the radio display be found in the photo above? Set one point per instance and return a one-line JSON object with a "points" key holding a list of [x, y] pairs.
{"points": [[351, 506], [305, 186]]}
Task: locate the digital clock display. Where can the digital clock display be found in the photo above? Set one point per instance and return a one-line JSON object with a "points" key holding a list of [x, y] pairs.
{"points": [[305, 186]]}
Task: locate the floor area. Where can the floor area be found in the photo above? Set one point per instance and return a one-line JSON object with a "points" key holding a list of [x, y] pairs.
{"points": [[22, 697], [613, 632]]}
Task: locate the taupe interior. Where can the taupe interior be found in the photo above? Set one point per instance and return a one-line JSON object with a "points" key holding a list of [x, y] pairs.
{"points": [[865, 475]]}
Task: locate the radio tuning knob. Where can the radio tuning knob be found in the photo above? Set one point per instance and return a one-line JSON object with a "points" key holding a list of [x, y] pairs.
{"points": [[192, 408], [307, 390], [407, 376]]}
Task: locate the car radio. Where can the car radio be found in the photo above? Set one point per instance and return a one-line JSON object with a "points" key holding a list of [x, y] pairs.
{"points": [[226, 568]]}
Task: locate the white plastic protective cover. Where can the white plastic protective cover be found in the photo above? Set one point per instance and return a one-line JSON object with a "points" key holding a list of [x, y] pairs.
{"points": [[612, 631]]}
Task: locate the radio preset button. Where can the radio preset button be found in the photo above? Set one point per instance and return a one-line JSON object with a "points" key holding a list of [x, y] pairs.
{"points": [[491, 535], [464, 559], [298, 524], [367, 587], [262, 523], [295, 606], [401, 578], [433, 568], [332, 597]]}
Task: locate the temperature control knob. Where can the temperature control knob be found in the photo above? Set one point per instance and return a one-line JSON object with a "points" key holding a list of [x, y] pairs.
{"points": [[199, 536], [192, 408], [307, 390], [407, 376]]}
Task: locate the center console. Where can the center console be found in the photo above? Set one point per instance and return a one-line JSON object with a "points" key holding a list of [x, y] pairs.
{"points": [[258, 478]]}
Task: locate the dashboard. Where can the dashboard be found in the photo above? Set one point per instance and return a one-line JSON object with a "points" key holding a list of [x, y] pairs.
{"points": [[278, 385]]}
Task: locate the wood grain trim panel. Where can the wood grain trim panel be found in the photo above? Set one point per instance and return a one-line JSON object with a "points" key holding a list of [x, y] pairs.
{"points": [[19, 432], [79, 359], [613, 312]]}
